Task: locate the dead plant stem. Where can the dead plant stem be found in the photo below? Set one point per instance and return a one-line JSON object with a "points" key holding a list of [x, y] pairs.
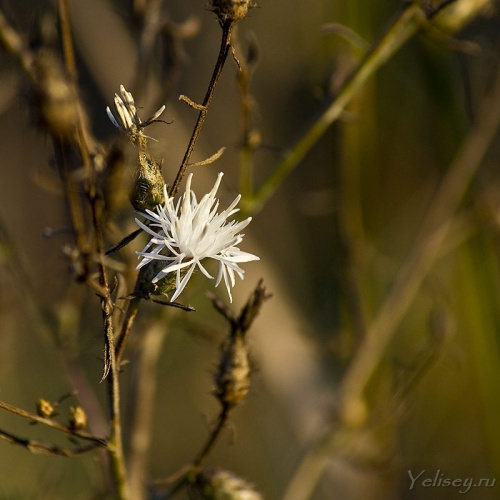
{"points": [[221, 59], [214, 435]]}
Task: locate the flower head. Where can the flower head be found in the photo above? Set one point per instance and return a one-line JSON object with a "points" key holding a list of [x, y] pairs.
{"points": [[185, 233], [128, 120]]}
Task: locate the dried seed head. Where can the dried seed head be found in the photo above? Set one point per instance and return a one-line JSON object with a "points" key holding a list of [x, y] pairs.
{"points": [[214, 484], [232, 378], [230, 11], [77, 418], [44, 408]]}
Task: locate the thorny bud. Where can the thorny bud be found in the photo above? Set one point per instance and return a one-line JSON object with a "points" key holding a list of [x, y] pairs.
{"points": [[216, 484], [232, 377], [230, 11], [44, 408], [148, 188], [77, 418]]}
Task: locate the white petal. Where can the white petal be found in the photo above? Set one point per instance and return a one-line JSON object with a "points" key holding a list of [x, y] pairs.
{"points": [[182, 284], [113, 119], [157, 114], [203, 270]]}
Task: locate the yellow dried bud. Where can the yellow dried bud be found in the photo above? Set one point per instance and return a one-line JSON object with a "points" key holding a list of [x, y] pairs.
{"points": [[148, 188], [232, 378], [214, 484], [231, 10], [44, 408], [77, 418]]}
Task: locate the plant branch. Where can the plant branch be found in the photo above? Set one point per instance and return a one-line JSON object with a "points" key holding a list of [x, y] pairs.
{"points": [[86, 146], [52, 424], [126, 327], [203, 109], [222, 420], [405, 26], [42, 448]]}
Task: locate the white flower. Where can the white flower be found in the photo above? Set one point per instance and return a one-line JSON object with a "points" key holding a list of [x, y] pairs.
{"points": [[189, 232], [128, 120]]}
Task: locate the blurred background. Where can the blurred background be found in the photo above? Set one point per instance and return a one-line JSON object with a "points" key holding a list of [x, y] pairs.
{"points": [[332, 241]]}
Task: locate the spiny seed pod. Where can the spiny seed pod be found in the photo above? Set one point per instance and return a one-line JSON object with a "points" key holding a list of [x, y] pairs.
{"points": [[214, 484], [232, 378], [44, 408], [230, 10], [77, 418], [148, 188]]}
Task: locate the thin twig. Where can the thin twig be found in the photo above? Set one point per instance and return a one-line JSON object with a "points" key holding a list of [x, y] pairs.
{"points": [[123, 242], [126, 326], [221, 59], [222, 420], [42, 448], [85, 145], [52, 423]]}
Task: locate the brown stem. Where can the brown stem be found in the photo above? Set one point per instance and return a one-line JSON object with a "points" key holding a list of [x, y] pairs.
{"points": [[126, 328], [51, 423], [42, 448], [85, 144], [221, 59], [214, 435]]}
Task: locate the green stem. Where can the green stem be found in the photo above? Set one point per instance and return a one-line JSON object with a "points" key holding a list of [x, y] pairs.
{"points": [[399, 32]]}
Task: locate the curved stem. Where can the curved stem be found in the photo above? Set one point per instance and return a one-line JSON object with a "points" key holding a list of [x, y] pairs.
{"points": [[128, 321], [214, 435], [221, 59]]}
